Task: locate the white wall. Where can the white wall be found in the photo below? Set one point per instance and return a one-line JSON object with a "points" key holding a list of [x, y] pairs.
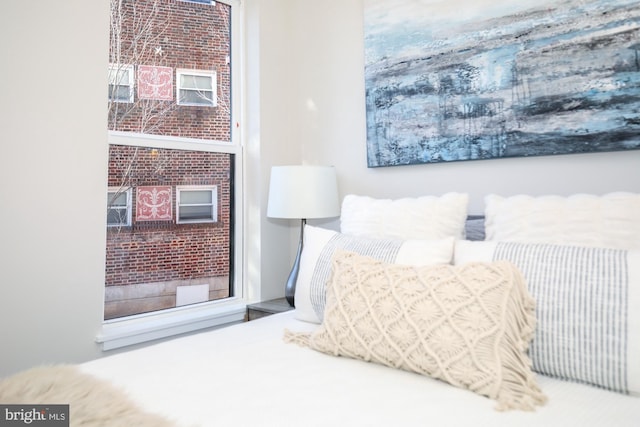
{"points": [[52, 180], [327, 54], [269, 140]]}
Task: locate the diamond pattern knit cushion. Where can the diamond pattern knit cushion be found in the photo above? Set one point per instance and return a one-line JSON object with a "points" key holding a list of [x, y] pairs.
{"points": [[467, 325]]}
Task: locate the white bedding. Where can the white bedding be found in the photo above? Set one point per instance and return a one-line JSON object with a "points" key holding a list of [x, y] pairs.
{"points": [[246, 375]]}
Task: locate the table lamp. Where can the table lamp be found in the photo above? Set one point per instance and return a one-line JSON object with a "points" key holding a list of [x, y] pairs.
{"points": [[302, 192]]}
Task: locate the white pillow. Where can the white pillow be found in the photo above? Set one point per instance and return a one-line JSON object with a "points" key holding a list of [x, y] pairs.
{"points": [[609, 221], [587, 303], [427, 217], [320, 244]]}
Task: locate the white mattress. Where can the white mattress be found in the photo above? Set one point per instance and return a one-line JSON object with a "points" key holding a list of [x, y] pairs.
{"points": [[245, 375]]}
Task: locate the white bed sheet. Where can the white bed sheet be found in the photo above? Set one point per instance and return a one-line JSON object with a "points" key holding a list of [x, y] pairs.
{"points": [[246, 375]]}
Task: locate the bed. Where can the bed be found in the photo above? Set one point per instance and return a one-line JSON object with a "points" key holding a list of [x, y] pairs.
{"points": [[266, 372]]}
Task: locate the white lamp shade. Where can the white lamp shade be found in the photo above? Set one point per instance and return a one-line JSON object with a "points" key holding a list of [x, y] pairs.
{"points": [[303, 192]]}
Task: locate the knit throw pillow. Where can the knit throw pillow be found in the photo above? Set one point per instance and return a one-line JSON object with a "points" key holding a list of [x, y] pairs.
{"points": [[467, 325]]}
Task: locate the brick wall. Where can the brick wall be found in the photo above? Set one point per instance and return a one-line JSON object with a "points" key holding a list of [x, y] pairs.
{"points": [[174, 34], [159, 251]]}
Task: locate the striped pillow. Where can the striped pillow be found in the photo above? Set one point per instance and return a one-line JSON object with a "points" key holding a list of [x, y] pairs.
{"points": [[587, 302], [321, 243]]}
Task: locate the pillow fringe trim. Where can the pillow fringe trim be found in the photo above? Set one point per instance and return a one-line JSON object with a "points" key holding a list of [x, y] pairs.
{"points": [[519, 388]]}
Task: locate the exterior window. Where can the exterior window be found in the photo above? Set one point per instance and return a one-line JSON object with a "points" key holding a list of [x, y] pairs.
{"points": [[179, 163], [121, 83], [196, 88], [118, 207], [197, 204]]}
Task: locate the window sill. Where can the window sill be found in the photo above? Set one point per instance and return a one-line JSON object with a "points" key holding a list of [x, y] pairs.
{"points": [[120, 333]]}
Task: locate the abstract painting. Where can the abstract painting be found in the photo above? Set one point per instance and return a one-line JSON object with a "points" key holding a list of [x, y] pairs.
{"points": [[483, 79]]}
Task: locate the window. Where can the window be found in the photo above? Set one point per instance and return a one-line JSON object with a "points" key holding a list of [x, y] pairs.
{"points": [[197, 204], [121, 79], [118, 207], [179, 165], [196, 88]]}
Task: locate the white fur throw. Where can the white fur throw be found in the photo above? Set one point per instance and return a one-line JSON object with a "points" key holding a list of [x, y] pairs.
{"points": [[92, 402], [467, 325]]}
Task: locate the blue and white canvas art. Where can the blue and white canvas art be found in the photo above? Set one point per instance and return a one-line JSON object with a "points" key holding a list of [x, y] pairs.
{"points": [[482, 79]]}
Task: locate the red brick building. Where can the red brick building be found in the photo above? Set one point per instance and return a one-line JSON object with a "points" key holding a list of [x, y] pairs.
{"points": [[173, 46], [169, 210]]}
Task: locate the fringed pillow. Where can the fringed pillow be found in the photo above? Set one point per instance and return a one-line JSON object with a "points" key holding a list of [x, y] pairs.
{"points": [[468, 325]]}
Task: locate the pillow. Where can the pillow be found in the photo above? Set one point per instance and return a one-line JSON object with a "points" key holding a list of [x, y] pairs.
{"points": [[427, 217], [609, 221], [587, 303], [319, 245], [469, 326]]}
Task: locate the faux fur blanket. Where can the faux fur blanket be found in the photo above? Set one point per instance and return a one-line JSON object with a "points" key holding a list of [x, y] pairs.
{"points": [[92, 402]]}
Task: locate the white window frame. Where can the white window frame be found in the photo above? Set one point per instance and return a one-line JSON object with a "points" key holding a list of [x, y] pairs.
{"points": [[198, 73], [180, 189], [139, 328], [115, 75], [122, 332], [128, 206]]}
